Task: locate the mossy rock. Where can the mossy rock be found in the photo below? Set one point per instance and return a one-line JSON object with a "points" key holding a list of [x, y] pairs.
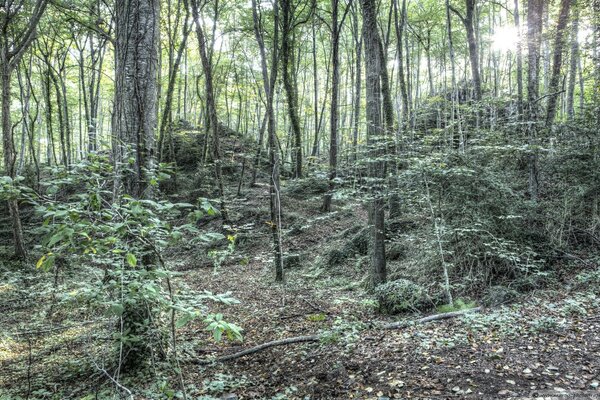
{"points": [[401, 296], [395, 251], [311, 186], [336, 257], [497, 295], [357, 245], [292, 261]]}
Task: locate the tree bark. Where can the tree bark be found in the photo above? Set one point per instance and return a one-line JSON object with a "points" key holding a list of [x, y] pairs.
{"points": [[136, 92], [289, 83], [269, 88]]}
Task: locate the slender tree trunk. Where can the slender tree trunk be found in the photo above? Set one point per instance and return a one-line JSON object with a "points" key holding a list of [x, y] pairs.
{"points": [[534, 37], [269, 88], [574, 62], [9, 156], [376, 138], [358, 40], [211, 104], [519, 65], [166, 119], [334, 113], [289, 83]]}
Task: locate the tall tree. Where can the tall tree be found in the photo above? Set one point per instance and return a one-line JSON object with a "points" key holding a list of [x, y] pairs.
{"points": [[559, 44], [289, 23], [336, 28], [573, 63], [519, 62], [468, 21], [134, 127], [15, 39], [136, 91], [535, 10], [211, 105], [269, 79], [376, 138]]}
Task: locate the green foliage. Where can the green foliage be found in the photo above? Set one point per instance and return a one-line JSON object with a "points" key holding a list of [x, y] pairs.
{"points": [[122, 240]]}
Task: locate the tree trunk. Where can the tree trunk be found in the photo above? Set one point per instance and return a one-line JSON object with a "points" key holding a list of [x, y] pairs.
{"points": [[534, 37], [136, 91], [559, 43], [289, 83], [334, 114], [519, 65], [10, 157], [574, 62], [269, 88], [167, 113], [211, 104], [376, 138]]}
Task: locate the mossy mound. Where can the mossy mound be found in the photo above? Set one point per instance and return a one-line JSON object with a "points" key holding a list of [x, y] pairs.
{"points": [[401, 296]]}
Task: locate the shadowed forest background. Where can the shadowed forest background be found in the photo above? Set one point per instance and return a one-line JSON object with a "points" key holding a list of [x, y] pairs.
{"points": [[299, 199]]}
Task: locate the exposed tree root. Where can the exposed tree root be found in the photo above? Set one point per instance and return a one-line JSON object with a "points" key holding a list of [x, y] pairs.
{"points": [[314, 338]]}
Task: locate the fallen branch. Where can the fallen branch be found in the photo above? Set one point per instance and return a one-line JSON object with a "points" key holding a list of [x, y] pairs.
{"points": [[315, 338], [436, 317], [264, 346]]}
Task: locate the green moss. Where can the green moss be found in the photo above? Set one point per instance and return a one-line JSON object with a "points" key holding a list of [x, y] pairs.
{"points": [[459, 304]]}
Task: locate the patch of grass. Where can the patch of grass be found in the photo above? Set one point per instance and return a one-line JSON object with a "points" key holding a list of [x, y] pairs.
{"points": [[316, 317], [459, 304]]}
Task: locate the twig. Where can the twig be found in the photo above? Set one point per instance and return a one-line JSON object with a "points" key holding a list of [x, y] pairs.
{"points": [[117, 384]]}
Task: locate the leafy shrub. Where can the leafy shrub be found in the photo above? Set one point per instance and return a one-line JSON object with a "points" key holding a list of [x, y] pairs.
{"points": [[401, 296], [121, 242]]}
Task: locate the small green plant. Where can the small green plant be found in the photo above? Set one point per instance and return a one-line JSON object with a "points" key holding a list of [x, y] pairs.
{"points": [[219, 256], [121, 241]]}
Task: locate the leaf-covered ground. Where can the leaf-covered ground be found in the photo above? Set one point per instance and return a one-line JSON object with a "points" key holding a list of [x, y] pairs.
{"points": [[547, 345]]}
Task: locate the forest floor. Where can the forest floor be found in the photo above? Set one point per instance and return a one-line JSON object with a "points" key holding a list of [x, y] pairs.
{"points": [[546, 345]]}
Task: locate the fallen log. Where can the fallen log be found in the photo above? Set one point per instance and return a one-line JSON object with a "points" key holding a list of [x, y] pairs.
{"points": [[315, 338]]}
